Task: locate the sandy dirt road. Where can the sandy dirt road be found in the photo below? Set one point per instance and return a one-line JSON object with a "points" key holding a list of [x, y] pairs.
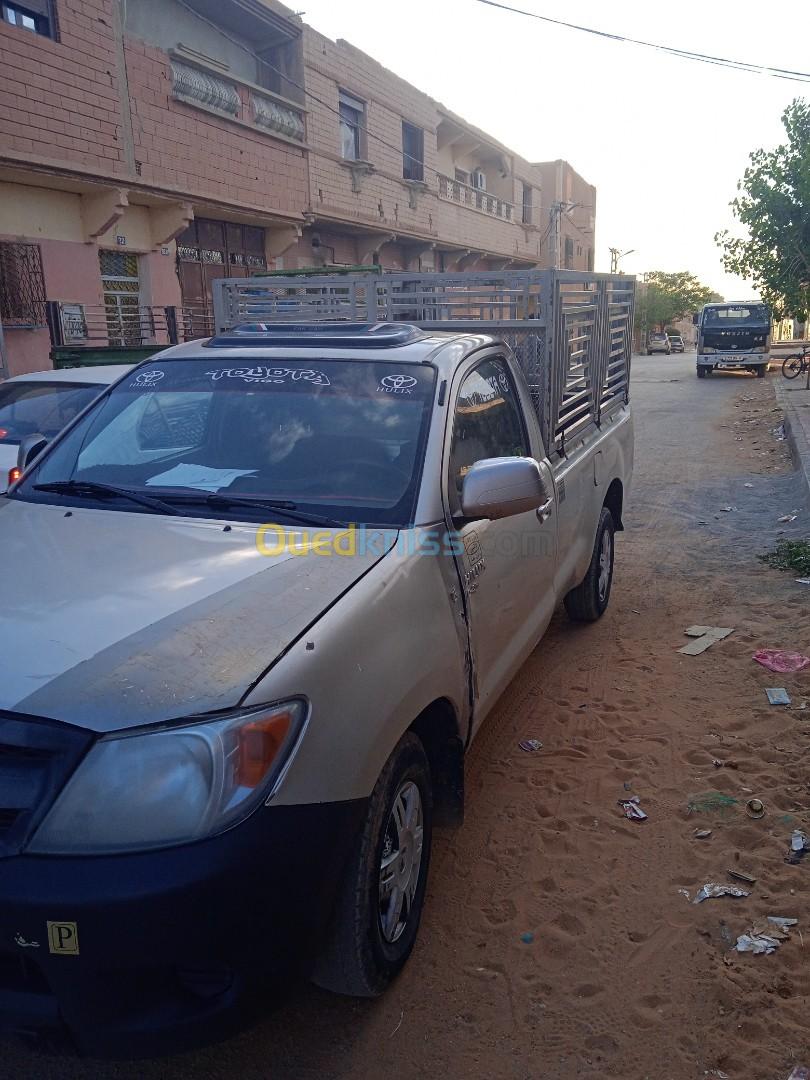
{"points": [[624, 976]]}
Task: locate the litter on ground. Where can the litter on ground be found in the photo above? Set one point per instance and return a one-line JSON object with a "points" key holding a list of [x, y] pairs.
{"points": [[738, 875], [711, 802], [631, 809], [783, 662], [755, 808], [531, 746], [705, 637], [799, 846], [777, 695], [766, 935], [713, 889]]}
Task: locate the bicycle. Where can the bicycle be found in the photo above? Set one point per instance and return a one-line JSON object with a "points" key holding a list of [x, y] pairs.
{"points": [[793, 366]]}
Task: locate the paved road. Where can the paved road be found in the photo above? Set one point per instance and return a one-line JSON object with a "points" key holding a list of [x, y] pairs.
{"points": [[623, 974]]}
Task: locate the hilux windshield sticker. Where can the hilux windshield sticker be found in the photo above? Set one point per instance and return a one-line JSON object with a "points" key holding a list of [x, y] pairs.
{"points": [[147, 379], [271, 375], [397, 384]]}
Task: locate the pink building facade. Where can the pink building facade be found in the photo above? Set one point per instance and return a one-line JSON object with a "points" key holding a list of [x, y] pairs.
{"points": [[149, 148], [139, 161]]}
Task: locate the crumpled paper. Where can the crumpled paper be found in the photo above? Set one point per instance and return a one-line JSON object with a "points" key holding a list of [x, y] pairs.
{"points": [[713, 889]]}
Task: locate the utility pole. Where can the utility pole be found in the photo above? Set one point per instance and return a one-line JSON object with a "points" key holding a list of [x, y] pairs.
{"points": [[556, 213], [557, 210]]}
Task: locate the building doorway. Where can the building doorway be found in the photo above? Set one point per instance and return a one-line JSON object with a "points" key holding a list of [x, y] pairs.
{"points": [[209, 250]]}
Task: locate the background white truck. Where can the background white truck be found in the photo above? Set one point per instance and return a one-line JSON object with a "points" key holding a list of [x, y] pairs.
{"points": [[733, 337]]}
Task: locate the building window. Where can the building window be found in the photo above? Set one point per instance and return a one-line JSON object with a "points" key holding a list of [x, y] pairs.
{"points": [[22, 286], [569, 253], [413, 152], [462, 177], [36, 15], [352, 124], [590, 259], [279, 70], [120, 283], [527, 204]]}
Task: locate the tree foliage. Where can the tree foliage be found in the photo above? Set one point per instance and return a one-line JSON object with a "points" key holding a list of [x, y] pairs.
{"points": [[774, 207], [665, 298]]}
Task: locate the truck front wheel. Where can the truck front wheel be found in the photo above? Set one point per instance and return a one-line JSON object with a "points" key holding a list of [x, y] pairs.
{"points": [[589, 600], [761, 371], [701, 372], [380, 902]]}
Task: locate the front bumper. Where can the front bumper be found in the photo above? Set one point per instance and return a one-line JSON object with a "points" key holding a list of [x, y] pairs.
{"points": [[732, 361], [174, 946]]}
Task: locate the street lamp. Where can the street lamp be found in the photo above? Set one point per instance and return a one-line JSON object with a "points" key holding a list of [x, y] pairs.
{"points": [[615, 255]]}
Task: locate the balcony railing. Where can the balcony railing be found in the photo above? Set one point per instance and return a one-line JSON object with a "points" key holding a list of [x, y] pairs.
{"points": [[121, 326], [476, 199]]}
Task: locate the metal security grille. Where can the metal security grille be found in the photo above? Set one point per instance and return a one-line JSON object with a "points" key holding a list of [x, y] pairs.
{"points": [[22, 285], [570, 331], [209, 250], [122, 296]]}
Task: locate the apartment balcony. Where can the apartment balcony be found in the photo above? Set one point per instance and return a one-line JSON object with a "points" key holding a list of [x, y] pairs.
{"points": [[474, 198]]}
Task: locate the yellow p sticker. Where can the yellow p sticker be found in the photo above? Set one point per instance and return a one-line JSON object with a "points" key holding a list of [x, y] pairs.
{"points": [[63, 938]]}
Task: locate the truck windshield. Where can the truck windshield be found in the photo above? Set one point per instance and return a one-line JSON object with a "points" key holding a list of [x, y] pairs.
{"points": [[38, 407], [737, 315], [339, 438]]}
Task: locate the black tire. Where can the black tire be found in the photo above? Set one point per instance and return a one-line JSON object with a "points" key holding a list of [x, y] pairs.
{"points": [[359, 960], [760, 370], [701, 372], [588, 601], [792, 366]]}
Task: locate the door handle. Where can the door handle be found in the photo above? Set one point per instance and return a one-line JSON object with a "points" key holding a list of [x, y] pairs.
{"points": [[544, 511]]}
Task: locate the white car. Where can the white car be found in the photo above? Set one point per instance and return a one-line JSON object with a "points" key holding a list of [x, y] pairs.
{"points": [[43, 402]]}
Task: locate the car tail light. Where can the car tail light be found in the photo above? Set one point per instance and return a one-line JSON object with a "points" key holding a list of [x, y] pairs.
{"points": [[14, 475]]}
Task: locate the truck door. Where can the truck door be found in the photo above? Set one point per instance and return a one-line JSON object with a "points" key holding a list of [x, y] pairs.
{"points": [[507, 565]]}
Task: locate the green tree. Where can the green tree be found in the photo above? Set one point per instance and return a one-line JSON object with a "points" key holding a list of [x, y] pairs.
{"points": [[665, 298], [774, 207]]}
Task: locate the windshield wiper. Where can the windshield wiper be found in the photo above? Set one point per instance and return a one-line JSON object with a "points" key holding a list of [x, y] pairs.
{"points": [[219, 499], [92, 487]]}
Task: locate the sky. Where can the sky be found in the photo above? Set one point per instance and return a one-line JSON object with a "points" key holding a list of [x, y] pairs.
{"points": [[664, 140]]}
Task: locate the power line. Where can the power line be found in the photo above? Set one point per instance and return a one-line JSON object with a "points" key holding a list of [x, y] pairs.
{"points": [[684, 54]]}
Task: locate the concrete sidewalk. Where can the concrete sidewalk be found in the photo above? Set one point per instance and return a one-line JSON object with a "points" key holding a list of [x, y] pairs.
{"points": [[795, 400]]}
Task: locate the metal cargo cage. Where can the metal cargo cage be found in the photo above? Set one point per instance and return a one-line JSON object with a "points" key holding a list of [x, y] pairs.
{"points": [[571, 332]]}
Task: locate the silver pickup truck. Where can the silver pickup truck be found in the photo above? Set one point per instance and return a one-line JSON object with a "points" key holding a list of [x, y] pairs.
{"points": [[257, 601]]}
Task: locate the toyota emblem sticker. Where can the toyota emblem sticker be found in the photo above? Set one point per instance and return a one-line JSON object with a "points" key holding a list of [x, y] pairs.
{"points": [[397, 384]]}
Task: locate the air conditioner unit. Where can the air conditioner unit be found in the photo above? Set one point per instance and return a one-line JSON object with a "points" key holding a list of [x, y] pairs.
{"points": [[478, 180]]}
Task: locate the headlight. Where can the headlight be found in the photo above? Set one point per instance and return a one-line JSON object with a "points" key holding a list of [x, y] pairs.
{"points": [[759, 348], [158, 788], [708, 349]]}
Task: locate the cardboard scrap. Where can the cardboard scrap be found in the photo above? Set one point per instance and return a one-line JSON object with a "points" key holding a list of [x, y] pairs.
{"points": [[705, 637]]}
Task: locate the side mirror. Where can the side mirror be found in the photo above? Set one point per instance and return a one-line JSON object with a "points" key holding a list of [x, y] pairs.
{"points": [[695, 318], [502, 487], [30, 447]]}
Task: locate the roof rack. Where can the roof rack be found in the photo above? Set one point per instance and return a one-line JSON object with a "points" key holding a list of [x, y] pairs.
{"points": [[354, 335]]}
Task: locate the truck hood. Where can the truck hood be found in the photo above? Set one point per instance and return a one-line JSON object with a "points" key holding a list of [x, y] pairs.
{"points": [[111, 620]]}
